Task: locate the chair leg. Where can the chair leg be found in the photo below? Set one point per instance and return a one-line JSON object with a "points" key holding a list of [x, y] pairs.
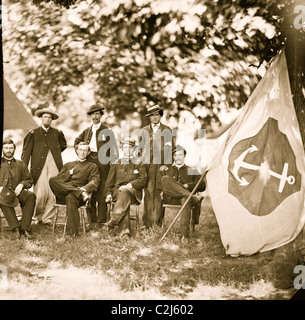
{"points": [[65, 225], [83, 219], [55, 219], [192, 221], [137, 218]]}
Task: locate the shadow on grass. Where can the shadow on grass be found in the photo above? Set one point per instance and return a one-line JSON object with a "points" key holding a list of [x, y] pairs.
{"points": [[142, 262]]}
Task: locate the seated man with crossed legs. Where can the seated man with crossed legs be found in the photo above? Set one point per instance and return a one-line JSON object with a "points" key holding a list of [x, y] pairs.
{"points": [[124, 185], [75, 181], [177, 182]]}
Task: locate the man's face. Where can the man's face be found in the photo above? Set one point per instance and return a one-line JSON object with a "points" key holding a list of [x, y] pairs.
{"points": [[46, 120], [8, 150], [155, 118], [82, 151], [127, 150], [179, 157], [96, 117]]}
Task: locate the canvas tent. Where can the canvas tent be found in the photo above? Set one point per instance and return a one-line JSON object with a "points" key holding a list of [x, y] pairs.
{"points": [[15, 115]]}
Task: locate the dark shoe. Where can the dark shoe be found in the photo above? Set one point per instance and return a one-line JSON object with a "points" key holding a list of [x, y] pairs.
{"points": [[27, 234], [48, 224], [109, 224]]}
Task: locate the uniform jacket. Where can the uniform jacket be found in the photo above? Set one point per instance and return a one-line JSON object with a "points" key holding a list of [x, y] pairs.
{"points": [[20, 174], [123, 173], [156, 147], [184, 175], [104, 136], [85, 174], [36, 146]]}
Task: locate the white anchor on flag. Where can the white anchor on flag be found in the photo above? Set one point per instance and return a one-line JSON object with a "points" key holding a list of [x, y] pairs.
{"points": [[240, 163]]}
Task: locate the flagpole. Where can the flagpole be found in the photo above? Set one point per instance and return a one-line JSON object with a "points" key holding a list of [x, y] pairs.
{"points": [[184, 204]]}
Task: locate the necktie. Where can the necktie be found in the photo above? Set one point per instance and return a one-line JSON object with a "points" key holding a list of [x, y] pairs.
{"points": [[93, 146], [155, 128]]}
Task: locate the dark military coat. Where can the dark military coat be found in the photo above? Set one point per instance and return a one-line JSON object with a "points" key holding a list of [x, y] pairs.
{"points": [[122, 173], [36, 146]]}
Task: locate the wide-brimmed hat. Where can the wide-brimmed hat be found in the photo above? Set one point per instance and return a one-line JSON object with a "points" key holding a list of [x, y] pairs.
{"points": [[178, 148], [40, 112], [129, 140], [94, 108], [8, 198], [153, 109]]}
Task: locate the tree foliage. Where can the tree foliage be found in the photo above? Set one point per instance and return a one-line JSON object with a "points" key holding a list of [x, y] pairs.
{"points": [[201, 56]]}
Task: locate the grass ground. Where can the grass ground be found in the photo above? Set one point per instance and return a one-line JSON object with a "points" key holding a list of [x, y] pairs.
{"points": [[97, 266]]}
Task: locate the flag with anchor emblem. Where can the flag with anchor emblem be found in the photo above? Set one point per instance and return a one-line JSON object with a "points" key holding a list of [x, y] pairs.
{"points": [[257, 180]]}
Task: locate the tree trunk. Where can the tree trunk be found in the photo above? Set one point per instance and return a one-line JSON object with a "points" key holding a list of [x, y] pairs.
{"points": [[295, 54]]}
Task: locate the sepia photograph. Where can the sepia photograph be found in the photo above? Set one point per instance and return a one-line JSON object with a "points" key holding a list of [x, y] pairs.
{"points": [[153, 152]]}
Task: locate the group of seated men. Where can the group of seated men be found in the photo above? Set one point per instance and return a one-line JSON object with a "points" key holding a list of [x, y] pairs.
{"points": [[78, 180]]}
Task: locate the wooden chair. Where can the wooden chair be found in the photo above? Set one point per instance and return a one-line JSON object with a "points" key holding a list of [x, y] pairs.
{"points": [[83, 211]]}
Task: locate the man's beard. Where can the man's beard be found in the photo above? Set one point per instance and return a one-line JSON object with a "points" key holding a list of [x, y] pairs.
{"points": [[8, 155]]}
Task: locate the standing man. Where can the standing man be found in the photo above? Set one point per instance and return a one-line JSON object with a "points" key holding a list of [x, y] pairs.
{"points": [[156, 142], [15, 179], [124, 186], [177, 182], [104, 151], [43, 146], [75, 181]]}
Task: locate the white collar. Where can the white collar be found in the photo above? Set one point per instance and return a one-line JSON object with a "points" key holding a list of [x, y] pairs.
{"points": [[96, 126], [178, 165], [79, 160], [44, 128], [157, 125]]}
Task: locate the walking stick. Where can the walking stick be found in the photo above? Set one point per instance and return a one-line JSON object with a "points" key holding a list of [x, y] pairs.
{"points": [[184, 204]]}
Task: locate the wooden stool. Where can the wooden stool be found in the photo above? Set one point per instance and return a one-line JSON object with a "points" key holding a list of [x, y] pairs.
{"points": [[82, 212]]}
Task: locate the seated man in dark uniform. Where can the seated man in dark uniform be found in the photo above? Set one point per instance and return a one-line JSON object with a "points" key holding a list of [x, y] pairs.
{"points": [[124, 185], [75, 181], [15, 179], [177, 182]]}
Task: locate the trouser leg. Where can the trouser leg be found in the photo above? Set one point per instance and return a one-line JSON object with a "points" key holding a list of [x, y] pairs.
{"points": [[152, 200], [185, 218], [196, 212], [101, 204], [10, 215], [27, 201], [120, 214], [72, 204], [60, 187], [98, 208], [173, 188]]}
